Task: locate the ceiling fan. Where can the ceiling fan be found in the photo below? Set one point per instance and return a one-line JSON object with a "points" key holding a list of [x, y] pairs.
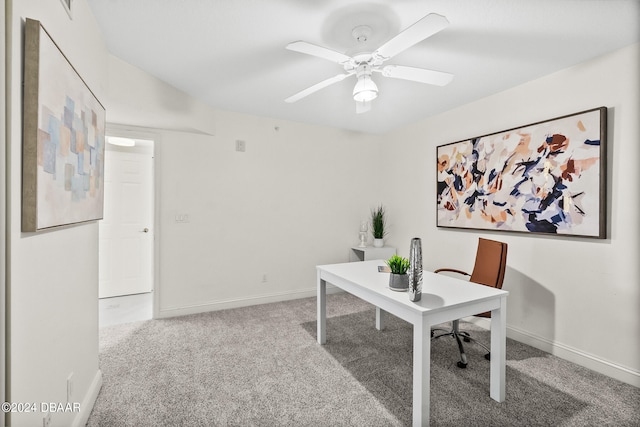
{"points": [[363, 65]]}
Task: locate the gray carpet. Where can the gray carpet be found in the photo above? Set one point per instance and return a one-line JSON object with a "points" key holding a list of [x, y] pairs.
{"points": [[262, 366]]}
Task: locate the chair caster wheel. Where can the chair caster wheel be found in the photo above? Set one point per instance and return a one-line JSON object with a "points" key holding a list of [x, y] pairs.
{"points": [[487, 356], [462, 365], [466, 339]]}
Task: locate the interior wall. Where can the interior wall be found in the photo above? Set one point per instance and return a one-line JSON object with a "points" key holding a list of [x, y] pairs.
{"points": [[240, 228], [259, 221], [572, 308], [136, 98], [52, 297]]}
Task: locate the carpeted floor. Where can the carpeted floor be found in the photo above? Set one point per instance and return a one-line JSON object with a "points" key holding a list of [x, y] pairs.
{"points": [[262, 366]]}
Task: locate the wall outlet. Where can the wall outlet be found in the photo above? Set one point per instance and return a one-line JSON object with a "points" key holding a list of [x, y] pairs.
{"points": [[46, 420], [70, 387], [264, 278], [182, 218], [241, 145]]}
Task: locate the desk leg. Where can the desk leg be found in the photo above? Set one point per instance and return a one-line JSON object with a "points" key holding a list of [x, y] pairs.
{"points": [[421, 372], [380, 314], [322, 310], [498, 350]]}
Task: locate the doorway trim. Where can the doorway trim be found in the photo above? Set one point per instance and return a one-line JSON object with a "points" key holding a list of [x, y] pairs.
{"points": [[137, 132]]}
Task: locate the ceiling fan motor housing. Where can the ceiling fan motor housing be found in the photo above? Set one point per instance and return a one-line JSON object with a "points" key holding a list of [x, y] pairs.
{"points": [[363, 69]]}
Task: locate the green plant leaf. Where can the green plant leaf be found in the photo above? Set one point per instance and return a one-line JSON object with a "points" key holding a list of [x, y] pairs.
{"points": [[378, 222], [398, 264]]}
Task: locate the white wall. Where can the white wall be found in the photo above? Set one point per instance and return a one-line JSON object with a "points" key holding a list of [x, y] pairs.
{"points": [[52, 298], [585, 308], [134, 97], [292, 200]]}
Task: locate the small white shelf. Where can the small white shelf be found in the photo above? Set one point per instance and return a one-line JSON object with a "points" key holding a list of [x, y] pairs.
{"points": [[370, 253]]}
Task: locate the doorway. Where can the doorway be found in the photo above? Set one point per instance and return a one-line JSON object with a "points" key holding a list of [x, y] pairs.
{"points": [[126, 233]]}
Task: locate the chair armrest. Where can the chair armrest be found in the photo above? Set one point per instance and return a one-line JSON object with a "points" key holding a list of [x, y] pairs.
{"points": [[452, 270]]}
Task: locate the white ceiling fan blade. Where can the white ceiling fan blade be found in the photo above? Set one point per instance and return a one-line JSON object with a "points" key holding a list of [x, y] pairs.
{"points": [[319, 51], [425, 27], [421, 75], [316, 87], [363, 107]]}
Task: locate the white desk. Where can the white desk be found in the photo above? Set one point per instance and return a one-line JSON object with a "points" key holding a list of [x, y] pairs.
{"points": [[443, 299]]}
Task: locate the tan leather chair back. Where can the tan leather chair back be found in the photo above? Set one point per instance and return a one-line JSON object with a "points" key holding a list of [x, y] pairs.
{"points": [[491, 263]]}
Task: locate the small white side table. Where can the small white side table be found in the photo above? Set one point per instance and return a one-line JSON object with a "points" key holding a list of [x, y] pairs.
{"points": [[370, 253]]}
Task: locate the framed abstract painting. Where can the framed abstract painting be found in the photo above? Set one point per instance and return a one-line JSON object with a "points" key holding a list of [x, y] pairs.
{"points": [[63, 139], [546, 178]]}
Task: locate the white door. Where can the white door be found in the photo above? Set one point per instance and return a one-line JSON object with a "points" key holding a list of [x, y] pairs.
{"points": [[126, 232]]}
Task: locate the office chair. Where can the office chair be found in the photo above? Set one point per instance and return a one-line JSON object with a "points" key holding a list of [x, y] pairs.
{"points": [[489, 269]]}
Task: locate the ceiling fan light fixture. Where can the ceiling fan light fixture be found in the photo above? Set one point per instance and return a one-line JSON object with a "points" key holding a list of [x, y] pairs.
{"points": [[365, 89]]}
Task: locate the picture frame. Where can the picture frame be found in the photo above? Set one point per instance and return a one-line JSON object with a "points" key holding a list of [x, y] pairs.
{"points": [[63, 139], [547, 178]]}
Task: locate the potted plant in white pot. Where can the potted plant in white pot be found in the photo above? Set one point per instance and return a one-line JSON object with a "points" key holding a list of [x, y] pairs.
{"points": [[378, 224], [398, 279]]}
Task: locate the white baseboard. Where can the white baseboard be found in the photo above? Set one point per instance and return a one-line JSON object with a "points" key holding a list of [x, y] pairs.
{"points": [[240, 302], [86, 406], [574, 355]]}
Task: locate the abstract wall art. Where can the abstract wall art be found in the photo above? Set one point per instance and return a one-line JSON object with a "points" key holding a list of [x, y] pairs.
{"points": [[547, 177], [63, 139]]}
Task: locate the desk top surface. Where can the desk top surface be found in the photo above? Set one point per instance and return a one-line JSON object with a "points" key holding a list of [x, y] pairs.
{"points": [[438, 291]]}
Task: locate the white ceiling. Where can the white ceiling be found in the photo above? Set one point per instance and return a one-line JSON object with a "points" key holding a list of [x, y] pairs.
{"points": [[231, 54]]}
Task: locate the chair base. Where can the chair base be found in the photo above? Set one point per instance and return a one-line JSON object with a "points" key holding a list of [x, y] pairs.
{"points": [[457, 334]]}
